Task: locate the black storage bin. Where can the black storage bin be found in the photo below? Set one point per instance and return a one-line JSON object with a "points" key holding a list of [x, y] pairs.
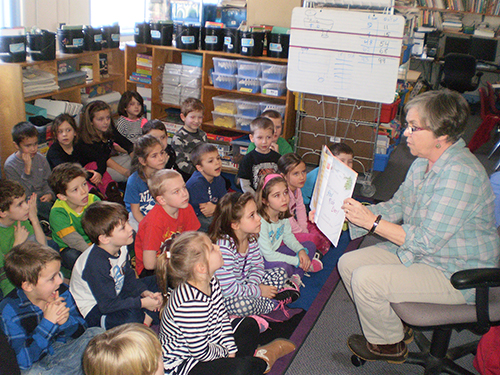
{"points": [[252, 43], [187, 36], [142, 33], [13, 48], [231, 40], [162, 33], [212, 38], [42, 47], [70, 40], [92, 38], [278, 45], [110, 36]]}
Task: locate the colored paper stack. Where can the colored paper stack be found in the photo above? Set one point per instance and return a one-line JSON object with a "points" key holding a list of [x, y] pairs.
{"points": [[144, 69]]}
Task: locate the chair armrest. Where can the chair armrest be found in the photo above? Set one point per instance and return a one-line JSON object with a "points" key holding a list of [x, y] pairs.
{"points": [[476, 278]]}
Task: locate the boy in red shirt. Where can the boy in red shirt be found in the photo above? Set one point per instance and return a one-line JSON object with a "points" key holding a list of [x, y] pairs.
{"points": [[172, 214]]}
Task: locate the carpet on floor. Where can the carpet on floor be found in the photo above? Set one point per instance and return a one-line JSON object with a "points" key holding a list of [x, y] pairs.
{"points": [[319, 287]]}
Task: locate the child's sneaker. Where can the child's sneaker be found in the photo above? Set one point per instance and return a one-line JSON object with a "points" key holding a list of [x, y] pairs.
{"points": [[316, 265], [289, 292], [296, 281]]}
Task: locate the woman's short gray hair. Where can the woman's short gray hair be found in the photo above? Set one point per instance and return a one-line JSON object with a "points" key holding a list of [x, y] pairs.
{"points": [[444, 112]]}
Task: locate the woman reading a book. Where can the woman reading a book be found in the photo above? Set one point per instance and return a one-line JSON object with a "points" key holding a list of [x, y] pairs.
{"points": [[440, 221]]}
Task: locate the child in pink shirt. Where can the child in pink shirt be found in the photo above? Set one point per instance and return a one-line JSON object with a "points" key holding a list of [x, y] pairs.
{"points": [[293, 168]]}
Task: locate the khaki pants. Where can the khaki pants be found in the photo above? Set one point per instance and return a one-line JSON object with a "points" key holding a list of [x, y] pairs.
{"points": [[375, 277]]}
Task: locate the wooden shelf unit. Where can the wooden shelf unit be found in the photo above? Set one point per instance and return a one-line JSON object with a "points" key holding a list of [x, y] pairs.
{"points": [[12, 97], [164, 54]]}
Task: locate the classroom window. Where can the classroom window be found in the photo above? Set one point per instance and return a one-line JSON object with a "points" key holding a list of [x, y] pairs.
{"points": [[10, 13], [125, 12]]}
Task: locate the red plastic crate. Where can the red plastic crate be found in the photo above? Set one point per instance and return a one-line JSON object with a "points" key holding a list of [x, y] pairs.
{"points": [[389, 111]]}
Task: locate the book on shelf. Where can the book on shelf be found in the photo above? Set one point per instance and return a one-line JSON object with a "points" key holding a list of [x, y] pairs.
{"points": [[135, 78], [484, 32]]}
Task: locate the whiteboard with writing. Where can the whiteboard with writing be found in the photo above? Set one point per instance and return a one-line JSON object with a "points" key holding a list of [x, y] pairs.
{"points": [[349, 54]]}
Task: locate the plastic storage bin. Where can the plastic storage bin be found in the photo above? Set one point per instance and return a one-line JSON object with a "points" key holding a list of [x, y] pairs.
{"points": [[243, 122], [248, 108], [225, 66], [248, 69], [224, 120], [273, 88], [381, 160], [265, 106], [224, 81], [273, 71], [251, 85], [389, 111], [225, 104]]}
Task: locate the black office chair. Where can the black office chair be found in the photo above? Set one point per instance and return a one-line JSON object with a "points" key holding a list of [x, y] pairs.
{"points": [[435, 355], [459, 71]]}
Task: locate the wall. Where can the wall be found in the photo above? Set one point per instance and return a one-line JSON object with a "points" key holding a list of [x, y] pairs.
{"points": [[48, 14]]}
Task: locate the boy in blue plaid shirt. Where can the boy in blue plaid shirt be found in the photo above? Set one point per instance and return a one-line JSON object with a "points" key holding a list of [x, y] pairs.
{"points": [[39, 317]]}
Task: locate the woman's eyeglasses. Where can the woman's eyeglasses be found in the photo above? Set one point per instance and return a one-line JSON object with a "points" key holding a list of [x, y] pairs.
{"points": [[412, 129]]}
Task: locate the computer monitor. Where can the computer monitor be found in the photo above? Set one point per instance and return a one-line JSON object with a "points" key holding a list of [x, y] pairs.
{"points": [[456, 44], [484, 49]]}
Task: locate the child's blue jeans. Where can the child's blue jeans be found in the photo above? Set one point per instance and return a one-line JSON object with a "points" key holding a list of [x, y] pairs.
{"points": [[67, 357]]}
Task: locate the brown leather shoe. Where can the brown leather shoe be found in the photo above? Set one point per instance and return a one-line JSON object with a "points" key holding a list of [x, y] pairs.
{"points": [[271, 352], [390, 351]]}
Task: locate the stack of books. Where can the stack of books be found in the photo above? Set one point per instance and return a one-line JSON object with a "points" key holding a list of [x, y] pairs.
{"points": [[180, 82], [144, 69], [452, 22]]}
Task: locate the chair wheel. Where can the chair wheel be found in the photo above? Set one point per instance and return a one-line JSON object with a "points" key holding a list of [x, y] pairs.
{"points": [[356, 361]]}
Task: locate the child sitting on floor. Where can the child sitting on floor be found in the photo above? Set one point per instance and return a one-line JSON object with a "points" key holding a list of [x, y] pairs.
{"points": [[149, 157], [206, 186], [272, 204], [279, 144], [171, 215], [196, 334], [132, 115], [30, 168], [40, 317], [18, 223], [248, 288], [157, 129], [293, 168], [103, 283], [68, 181]]}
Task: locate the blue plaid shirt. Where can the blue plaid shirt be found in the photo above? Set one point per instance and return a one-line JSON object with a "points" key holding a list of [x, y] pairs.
{"points": [[29, 333], [447, 214]]}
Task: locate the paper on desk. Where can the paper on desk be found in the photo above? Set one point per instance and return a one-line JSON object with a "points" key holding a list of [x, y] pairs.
{"points": [[335, 183]]}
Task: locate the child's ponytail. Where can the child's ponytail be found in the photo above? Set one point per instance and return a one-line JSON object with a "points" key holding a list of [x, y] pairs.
{"points": [[176, 263]]}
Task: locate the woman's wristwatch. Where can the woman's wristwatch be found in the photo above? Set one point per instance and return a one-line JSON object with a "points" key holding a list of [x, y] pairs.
{"points": [[375, 224]]}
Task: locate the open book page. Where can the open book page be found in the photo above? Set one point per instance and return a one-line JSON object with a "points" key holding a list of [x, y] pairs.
{"points": [[335, 185], [323, 174]]}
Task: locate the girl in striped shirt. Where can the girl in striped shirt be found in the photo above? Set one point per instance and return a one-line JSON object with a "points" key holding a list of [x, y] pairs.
{"points": [[196, 334], [247, 287]]}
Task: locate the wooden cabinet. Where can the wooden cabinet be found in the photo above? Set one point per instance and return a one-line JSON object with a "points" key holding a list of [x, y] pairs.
{"points": [[162, 55], [12, 97]]}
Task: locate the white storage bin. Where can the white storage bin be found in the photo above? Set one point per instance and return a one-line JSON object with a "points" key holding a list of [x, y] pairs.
{"points": [[248, 108], [223, 120], [251, 85], [243, 122], [273, 71], [278, 107], [225, 66], [248, 69], [224, 81], [273, 88], [225, 104]]}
